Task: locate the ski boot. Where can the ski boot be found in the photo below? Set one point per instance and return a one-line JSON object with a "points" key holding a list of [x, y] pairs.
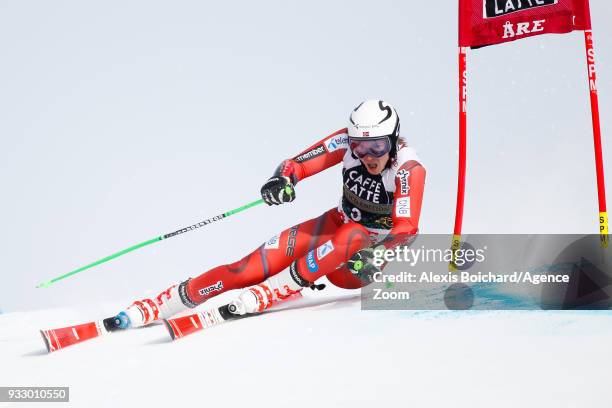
{"points": [[146, 311], [257, 298]]}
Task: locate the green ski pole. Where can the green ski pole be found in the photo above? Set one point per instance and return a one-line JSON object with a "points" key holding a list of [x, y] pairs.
{"points": [[151, 241]]}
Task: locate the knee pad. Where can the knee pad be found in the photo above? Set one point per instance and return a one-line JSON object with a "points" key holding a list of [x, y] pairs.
{"points": [[350, 238], [344, 279]]}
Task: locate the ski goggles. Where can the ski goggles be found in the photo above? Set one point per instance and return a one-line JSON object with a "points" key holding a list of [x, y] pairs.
{"points": [[375, 147]]}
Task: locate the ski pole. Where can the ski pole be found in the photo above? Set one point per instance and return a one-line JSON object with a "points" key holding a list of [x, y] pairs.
{"points": [[151, 241]]}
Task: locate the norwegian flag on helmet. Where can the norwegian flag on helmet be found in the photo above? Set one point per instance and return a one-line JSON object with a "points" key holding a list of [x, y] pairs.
{"points": [[488, 22]]}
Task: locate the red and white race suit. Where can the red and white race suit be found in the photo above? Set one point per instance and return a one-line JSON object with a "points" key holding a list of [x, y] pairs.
{"points": [[373, 210]]}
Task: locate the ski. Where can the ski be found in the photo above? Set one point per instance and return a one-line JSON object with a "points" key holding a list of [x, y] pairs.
{"points": [[57, 339], [182, 326]]}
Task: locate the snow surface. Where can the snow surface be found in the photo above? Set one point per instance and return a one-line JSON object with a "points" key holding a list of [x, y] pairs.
{"points": [[105, 141], [323, 350]]}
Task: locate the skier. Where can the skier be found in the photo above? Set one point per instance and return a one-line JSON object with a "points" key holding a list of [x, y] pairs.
{"points": [[383, 182]]}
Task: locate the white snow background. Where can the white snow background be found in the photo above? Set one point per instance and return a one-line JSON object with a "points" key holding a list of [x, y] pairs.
{"points": [[121, 121]]}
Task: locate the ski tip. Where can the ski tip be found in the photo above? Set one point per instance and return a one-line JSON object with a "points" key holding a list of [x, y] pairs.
{"points": [[46, 340], [170, 329]]}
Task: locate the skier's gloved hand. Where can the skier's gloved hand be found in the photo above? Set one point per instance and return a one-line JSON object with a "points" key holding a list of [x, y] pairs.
{"points": [[278, 190], [361, 264]]}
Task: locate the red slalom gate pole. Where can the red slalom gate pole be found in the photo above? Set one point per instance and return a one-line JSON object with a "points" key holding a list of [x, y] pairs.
{"points": [[601, 187], [462, 151]]}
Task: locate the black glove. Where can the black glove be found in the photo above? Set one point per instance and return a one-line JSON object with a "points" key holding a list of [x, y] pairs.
{"points": [[362, 265], [278, 190]]}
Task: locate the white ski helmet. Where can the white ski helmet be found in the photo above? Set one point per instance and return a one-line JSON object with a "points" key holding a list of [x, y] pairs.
{"points": [[374, 119]]}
